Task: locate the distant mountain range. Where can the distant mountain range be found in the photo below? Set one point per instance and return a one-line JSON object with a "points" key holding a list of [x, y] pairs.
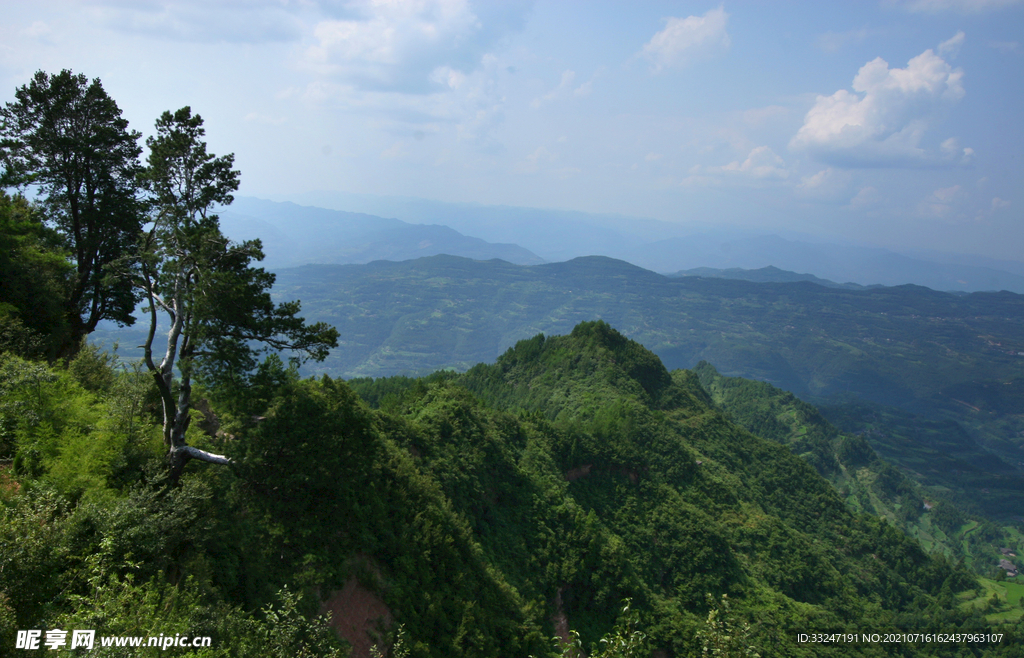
{"points": [[839, 263], [770, 274], [531, 235], [954, 364], [295, 235]]}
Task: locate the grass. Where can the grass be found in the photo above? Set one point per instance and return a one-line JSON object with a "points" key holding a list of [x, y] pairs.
{"points": [[1006, 609]]}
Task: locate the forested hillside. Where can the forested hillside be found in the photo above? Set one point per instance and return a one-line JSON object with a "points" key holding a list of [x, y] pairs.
{"points": [[483, 513], [574, 489], [939, 517], [933, 381]]}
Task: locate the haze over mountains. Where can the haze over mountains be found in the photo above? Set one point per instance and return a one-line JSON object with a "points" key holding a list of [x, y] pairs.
{"points": [[363, 228], [296, 235]]}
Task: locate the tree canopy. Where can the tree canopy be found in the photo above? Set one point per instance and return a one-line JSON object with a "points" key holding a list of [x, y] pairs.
{"points": [[220, 313], [33, 280], [64, 136]]}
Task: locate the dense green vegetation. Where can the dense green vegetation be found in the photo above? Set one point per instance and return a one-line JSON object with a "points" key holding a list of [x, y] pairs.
{"points": [[938, 517], [33, 271], [949, 363], [575, 488], [948, 366], [64, 136], [485, 512]]}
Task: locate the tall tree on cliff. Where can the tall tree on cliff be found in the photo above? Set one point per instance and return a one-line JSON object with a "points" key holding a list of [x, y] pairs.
{"points": [[221, 316], [65, 136]]}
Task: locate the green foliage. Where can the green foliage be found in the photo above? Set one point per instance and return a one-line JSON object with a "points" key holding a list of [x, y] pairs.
{"points": [[315, 445], [63, 434], [229, 316], [868, 482], [479, 513], [283, 632], [93, 368], [65, 135], [625, 640], [723, 636], [935, 356], [33, 282], [219, 308], [398, 648]]}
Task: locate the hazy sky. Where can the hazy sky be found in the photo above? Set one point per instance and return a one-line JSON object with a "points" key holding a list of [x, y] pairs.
{"points": [[894, 123]]}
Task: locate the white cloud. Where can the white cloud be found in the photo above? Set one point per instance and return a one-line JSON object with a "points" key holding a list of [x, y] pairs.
{"points": [[827, 185], [584, 89], [257, 21], [394, 152], [762, 162], [534, 161], [391, 45], [952, 152], [946, 194], [448, 77], [470, 104], [1006, 47], [563, 89], [942, 203], [38, 30], [881, 122], [684, 39], [998, 203], [865, 198], [951, 47], [962, 6]]}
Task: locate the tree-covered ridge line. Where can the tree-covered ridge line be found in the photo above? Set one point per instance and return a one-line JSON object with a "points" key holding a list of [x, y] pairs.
{"points": [[948, 364], [583, 474], [937, 517]]}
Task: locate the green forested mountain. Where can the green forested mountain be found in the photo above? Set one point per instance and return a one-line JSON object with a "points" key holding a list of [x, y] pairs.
{"points": [[949, 366], [940, 517], [934, 381], [482, 513], [769, 274], [890, 345]]}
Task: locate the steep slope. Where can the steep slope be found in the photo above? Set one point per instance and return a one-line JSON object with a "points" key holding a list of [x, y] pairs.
{"points": [[952, 361], [939, 517], [674, 501], [482, 512]]}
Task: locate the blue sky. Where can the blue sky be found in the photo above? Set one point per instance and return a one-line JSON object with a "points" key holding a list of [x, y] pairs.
{"points": [[890, 123]]}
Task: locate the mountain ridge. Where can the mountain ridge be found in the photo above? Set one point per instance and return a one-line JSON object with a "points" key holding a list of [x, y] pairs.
{"points": [[295, 235], [558, 235]]}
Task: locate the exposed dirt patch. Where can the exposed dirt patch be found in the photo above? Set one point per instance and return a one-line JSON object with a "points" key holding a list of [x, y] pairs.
{"points": [[578, 472], [357, 614], [559, 619], [8, 485]]}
